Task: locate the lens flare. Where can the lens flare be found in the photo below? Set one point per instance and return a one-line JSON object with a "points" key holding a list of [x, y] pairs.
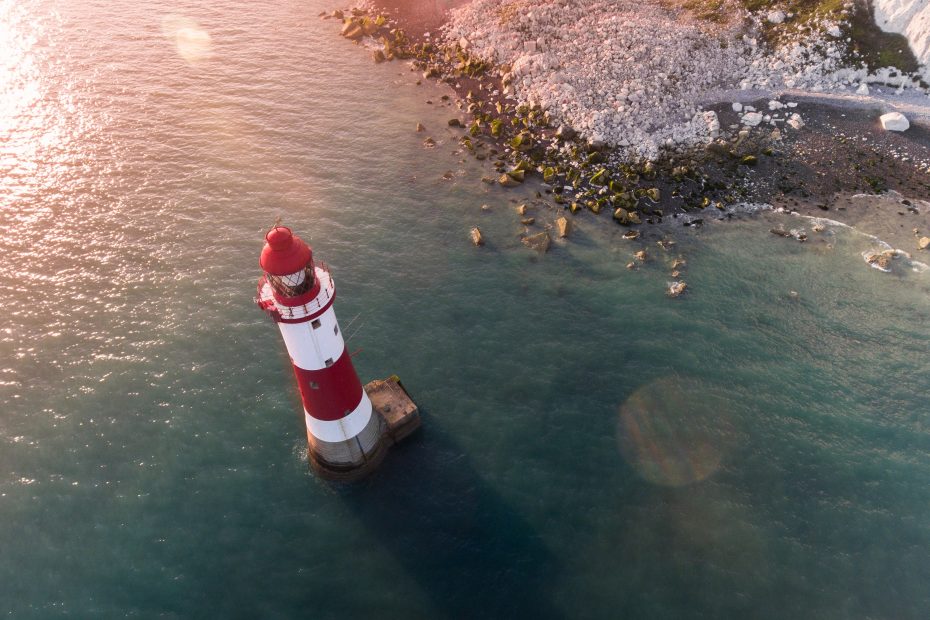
{"points": [[192, 43], [675, 431]]}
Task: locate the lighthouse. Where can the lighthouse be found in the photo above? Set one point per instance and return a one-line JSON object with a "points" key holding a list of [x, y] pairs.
{"points": [[347, 434]]}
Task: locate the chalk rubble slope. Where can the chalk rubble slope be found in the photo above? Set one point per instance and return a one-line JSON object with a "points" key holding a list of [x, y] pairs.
{"points": [[632, 74]]}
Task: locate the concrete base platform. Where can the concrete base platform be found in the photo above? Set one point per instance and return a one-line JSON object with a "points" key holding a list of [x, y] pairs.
{"points": [[397, 416], [390, 400]]}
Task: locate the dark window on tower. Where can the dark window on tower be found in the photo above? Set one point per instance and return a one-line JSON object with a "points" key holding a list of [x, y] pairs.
{"points": [[314, 385], [315, 323], [335, 330], [329, 362]]}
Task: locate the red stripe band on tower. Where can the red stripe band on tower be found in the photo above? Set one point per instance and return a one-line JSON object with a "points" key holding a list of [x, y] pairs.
{"points": [[330, 393]]}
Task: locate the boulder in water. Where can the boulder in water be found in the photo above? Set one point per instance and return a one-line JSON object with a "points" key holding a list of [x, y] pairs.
{"points": [[676, 288], [507, 181], [476, 237], [923, 243], [564, 226], [539, 242]]}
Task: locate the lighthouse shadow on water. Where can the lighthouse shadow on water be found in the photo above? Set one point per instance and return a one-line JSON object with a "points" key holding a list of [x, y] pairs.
{"points": [[453, 533]]}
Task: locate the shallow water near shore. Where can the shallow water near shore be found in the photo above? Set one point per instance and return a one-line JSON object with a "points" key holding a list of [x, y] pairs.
{"points": [[590, 447]]}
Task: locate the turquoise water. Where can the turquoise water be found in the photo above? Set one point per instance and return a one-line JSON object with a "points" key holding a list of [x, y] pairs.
{"points": [[591, 448]]}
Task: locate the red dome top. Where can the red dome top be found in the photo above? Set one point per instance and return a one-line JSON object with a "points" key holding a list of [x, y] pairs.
{"points": [[284, 252]]}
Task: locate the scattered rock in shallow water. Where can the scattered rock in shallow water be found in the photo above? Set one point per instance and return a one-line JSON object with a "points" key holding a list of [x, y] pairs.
{"points": [[676, 288], [448, 175], [923, 243], [485, 207], [679, 263], [737, 106], [476, 236], [795, 121], [521, 209], [378, 56], [631, 234], [863, 89], [352, 30], [564, 227], [880, 260], [894, 121], [454, 122], [793, 295], [665, 244], [429, 143], [819, 228], [539, 242], [420, 127], [631, 265], [626, 217], [641, 256], [507, 181], [781, 232], [528, 221]]}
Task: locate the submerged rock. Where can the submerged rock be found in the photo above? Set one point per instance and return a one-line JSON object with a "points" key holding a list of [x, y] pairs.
{"points": [[564, 227], [528, 221], [676, 288], [420, 127], [539, 242], [923, 243], [641, 256], [476, 237], [631, 234]]}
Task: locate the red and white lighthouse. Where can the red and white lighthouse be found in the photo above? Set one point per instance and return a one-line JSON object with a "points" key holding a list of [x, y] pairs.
{"points": [[343, 431]]}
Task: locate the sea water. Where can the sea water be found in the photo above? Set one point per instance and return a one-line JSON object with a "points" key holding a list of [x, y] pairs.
{"points": [[757, 447]]}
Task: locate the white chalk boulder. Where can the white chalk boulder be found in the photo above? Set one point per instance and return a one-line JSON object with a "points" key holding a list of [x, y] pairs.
{"points": [[751, 119], [775, 17], [894, 121], [863, 89]]}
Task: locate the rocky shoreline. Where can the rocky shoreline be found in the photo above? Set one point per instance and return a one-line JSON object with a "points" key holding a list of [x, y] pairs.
{"points": [[798, 155]]}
